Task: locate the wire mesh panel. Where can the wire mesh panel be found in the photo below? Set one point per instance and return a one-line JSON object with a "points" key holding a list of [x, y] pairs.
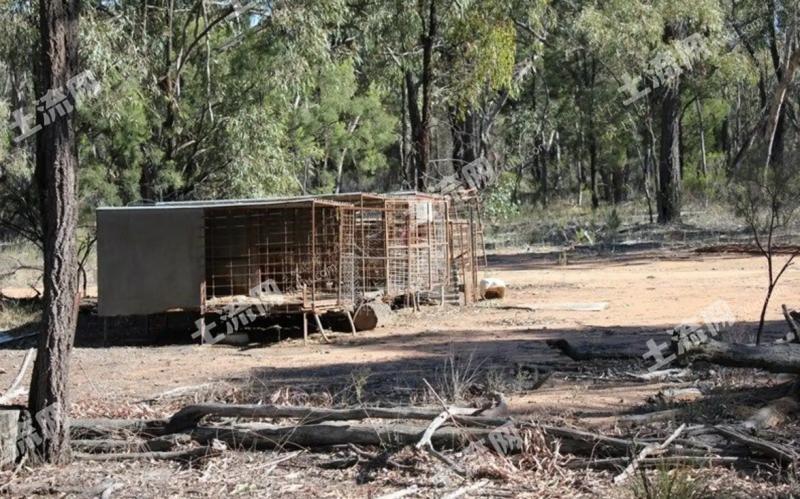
{"points": [[347, 272], [417, 242], [291, 251], [463, 241], [322, 253]]}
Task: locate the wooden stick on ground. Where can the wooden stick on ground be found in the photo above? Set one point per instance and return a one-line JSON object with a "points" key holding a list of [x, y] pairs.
{"points": [[14, 390], [650, 449], [431, 429]]}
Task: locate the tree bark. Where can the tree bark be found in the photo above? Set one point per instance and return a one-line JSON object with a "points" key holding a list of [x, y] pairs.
{"points": [[669, 178], [56, 165], [423, 139]]}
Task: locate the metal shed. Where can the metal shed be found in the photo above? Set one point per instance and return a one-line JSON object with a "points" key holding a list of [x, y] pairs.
{"points": [[302, 254]]}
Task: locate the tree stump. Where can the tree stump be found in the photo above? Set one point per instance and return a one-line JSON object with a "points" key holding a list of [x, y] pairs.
{"points": [[8, 436], [371, 315]]}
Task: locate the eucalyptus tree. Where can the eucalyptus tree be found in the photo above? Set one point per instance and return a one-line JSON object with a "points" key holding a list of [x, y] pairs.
{"points": [[656, 46]]}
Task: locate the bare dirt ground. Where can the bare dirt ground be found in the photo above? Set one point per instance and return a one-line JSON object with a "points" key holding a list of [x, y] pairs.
{"points": [[647, 293]]}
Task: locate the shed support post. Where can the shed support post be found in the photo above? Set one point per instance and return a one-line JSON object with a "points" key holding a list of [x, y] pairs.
{"points": [[350, 320]]}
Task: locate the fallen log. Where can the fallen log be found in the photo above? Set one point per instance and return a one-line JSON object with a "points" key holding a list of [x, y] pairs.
{"points": [[581, 352], [269, 436], [777, 358], [104, 428], [189, 416]]}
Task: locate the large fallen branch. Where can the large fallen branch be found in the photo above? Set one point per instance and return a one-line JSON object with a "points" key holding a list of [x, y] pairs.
{"points": [[105, 428], [777, 358], [268, 436], [189, 416], [582, 352]]}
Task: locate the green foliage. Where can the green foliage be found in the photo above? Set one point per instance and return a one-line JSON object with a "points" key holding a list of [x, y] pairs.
{"points": [[668, 483], [485, 44], [499, 203], [307, 96]]}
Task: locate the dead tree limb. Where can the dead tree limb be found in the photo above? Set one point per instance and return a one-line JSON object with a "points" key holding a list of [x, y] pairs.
{"points": [[14, 390], [777, 358], [778, 452], [650, 449], [581, 352], [105, 428], [189, 416], [268, 436], [431, 429]]}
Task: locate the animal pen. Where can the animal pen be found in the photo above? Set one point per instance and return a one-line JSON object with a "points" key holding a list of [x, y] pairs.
{"points": [[306, 255]]}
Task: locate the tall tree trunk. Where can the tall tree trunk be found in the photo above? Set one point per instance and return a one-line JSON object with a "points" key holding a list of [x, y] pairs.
{"points": [[404, 133], [415, 123], [465, 141], [669, 173], [56, 165], [423, 140], [541, 169], [593, 169], [703, 162]]}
